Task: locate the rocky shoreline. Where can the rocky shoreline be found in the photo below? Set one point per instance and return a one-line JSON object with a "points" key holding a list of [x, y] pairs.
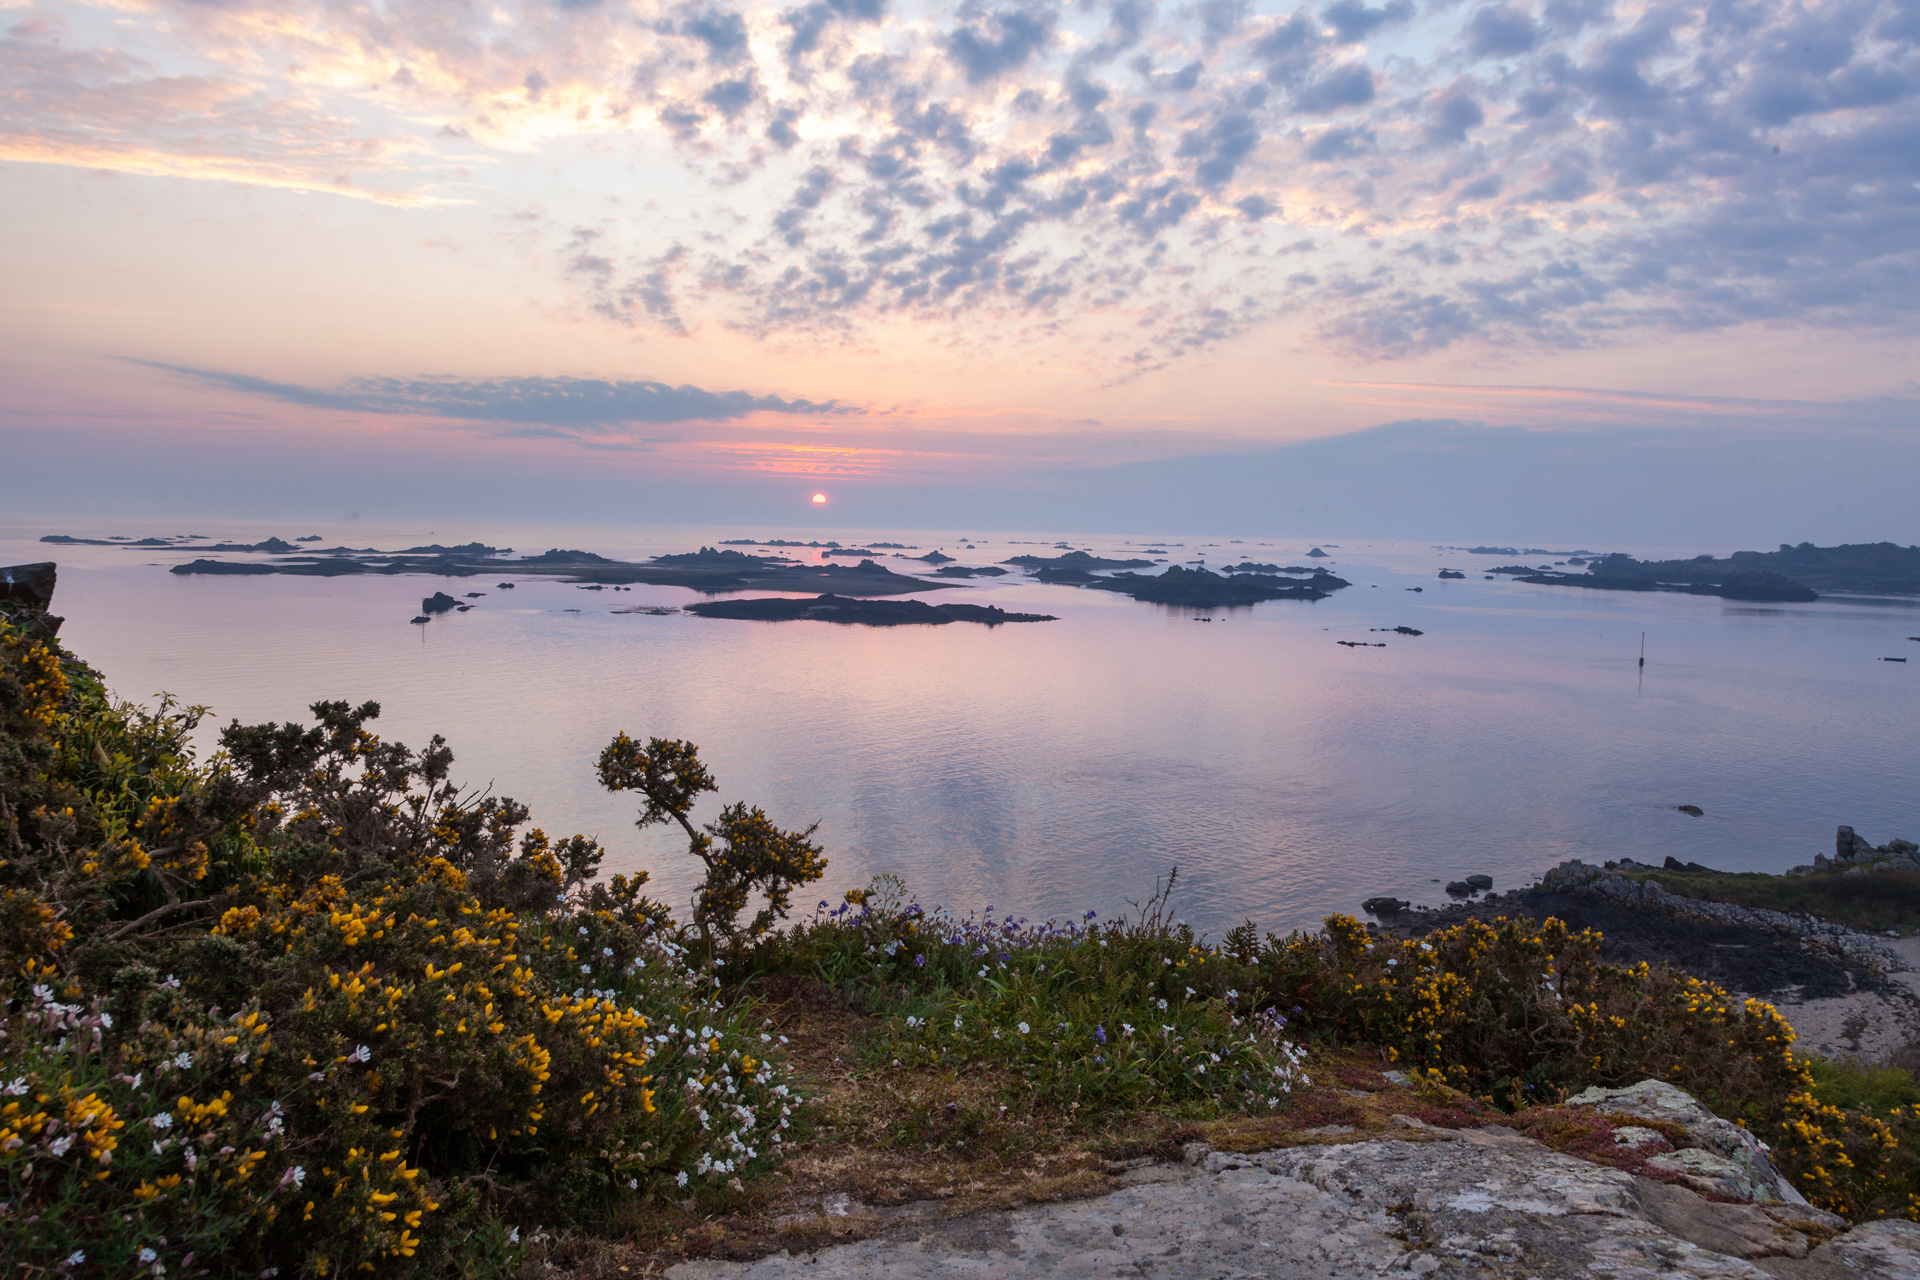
{"points": [[1847, 991]]}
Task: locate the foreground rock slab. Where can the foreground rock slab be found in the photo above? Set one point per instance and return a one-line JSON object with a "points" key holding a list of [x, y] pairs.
{"points": [[1435, 1203]]}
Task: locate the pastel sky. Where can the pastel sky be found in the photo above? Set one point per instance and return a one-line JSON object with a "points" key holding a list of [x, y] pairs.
{"points": [[877, 246]]}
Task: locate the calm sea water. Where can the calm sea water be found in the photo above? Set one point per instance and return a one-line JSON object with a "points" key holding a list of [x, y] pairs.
{"points": [[1050, 768]]}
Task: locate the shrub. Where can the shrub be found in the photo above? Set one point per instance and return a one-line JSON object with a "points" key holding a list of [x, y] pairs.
{"points": [[752, 856], [311, 1006], [1523, 1012]]}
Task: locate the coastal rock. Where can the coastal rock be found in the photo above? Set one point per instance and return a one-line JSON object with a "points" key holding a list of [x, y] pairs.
{"points": [[1434, 1202], [1451, 573], [1461, 889], [1318, 554], [1480, 882], [1385, 906], [439, 602], [26, 593], [873, 613], [1722, 1158]]}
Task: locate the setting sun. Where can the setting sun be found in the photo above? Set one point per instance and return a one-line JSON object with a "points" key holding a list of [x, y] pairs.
{"points": [[819, 499]]}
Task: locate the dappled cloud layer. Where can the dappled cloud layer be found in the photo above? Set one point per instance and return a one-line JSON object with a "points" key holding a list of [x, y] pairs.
{"points": [[1141, 179]]}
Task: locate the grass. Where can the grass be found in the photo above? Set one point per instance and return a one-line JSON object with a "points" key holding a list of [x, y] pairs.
{"points": [[1852, 1087], [924, 1140], [1875, 900]]}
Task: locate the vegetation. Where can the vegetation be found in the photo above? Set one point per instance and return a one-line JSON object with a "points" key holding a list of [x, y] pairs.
{"points": [[1876, 900], [308, 1005]]}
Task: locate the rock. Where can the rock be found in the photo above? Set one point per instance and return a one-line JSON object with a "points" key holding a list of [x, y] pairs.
{"points": [[1480, 882], [504, 586], [1451, 573], [1570, 875], [1761, 585], [439, 602], [421, 620], [1384, 906], [1888, 1249], [1434, 1202], [26, 593], [1843, 843], [1692, 809], [1461, 889], [1318, 554], [873, 613], [1724, 1159]]}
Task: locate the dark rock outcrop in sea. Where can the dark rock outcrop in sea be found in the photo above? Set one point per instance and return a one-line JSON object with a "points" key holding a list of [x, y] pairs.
{"points": [[1788, 575], [1079, 561], [1204, 589], [872, 613], [970, 571], [439, 602], [709, 569]]}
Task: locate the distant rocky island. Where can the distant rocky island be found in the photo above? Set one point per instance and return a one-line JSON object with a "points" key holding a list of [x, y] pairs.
{"points": [[872, 613], [1194, 588], [1793, 573], [1202, 588], [709, 569]]}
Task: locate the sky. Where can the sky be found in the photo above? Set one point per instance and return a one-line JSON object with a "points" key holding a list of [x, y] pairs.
{"points": [[1546, 268]]}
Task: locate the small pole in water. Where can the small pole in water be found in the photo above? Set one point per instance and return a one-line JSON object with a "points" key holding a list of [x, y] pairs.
{"points": [[1643, 648]]}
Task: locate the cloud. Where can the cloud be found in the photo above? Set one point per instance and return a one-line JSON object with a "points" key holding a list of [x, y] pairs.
{"points": [[1120, 177], [1003, 42], [535, 406]]}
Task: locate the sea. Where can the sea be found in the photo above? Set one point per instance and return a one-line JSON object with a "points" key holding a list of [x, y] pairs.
{"points": [[1050, 769]]}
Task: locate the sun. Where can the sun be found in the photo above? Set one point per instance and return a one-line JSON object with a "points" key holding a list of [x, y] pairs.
{"points": [[819, 499]]}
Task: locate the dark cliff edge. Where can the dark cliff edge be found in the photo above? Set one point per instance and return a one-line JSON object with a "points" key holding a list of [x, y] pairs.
{"points": [[26, 593]]}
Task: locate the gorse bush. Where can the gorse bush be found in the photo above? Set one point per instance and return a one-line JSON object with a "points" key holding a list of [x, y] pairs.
{"points": [[1523, 1012], [743, 852], [311, 1007]]}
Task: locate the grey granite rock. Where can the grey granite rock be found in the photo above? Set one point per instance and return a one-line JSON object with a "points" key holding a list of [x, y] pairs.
{"points": [[1724, 1159], [1434, 1202]]}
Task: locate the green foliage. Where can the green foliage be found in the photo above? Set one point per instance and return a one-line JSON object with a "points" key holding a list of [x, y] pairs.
{"points": [[1875, 1090], [1853, 1163], [1078, 1017], [1873, 900], [1522, 1012], [311, 1006], [751, 856]]}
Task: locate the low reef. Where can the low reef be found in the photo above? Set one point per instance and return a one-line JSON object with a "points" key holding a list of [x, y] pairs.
{"points": [[871, 613], [710, 569], [1204, 589], [1793, 573]]}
